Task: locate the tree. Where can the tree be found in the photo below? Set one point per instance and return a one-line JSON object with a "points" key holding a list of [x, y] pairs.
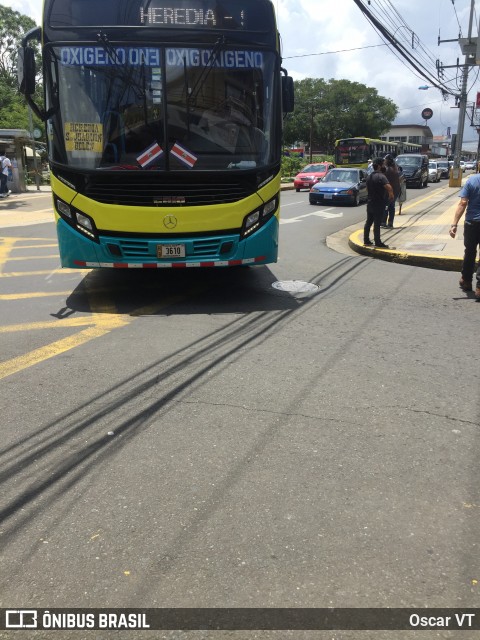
{"points": [[328, 110], [13, 109]]}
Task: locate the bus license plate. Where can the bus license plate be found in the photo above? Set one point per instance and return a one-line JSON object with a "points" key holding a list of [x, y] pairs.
{"points": [[170, 251]]}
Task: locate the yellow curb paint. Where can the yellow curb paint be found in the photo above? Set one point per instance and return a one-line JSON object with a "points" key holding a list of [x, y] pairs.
{"points": [[356, 239]]}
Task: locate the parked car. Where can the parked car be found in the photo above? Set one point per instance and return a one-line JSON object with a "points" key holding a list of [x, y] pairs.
{"points": [[463, 166], [434, 171], [445, 168], [469, 165], [415, 168], [347, 186], [311, 174]]}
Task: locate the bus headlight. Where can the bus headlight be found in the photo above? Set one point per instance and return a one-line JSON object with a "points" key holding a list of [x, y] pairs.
{"points": [[64, 209], [86, 225], [84, 221], [255, 220]]}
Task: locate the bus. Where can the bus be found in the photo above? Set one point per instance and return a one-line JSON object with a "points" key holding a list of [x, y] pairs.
{"points": [[408, 147], [356, 152], [164, 129]]}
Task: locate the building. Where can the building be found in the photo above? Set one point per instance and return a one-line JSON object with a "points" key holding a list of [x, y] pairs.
{"points": [[414, 133]]}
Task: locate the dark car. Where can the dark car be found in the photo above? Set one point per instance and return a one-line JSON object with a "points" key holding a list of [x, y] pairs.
{"points": [[347, 186], [311, 174], [415, 168], [445, 167]]}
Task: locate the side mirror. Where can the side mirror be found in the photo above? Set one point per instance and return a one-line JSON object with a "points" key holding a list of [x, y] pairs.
{"points": [[288, 94], [26, 70]]}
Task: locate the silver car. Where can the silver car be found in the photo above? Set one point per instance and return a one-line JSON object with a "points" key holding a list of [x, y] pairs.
{"points": [[434, 171]]}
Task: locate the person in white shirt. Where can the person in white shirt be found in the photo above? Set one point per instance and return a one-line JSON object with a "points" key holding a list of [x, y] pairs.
{"points": [[5, 166]]}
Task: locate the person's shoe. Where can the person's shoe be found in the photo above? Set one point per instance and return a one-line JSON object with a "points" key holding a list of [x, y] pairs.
{"points": [[389, 226], [477, 293], [381, 245], [368, 243], [466, 285], [384, 226]]}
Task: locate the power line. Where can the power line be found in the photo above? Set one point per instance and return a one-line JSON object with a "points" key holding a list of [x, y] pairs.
{"points": [[402, 50], [325, 53]]}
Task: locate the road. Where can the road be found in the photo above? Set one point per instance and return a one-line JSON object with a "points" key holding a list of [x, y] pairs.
{"points": [[204, 439]]}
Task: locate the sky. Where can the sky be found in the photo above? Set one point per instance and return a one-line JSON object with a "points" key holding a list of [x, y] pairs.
{"points": [[331, 39]]}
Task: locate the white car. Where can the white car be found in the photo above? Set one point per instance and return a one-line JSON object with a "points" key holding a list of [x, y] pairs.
{"points": [[434, 171]]}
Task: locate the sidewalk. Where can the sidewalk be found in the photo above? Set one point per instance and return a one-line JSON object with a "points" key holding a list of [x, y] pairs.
{"points": [[421, 234], [14, 211]]}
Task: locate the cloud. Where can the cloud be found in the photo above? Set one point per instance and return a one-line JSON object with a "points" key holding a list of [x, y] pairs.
{"points": [[334, 28]]}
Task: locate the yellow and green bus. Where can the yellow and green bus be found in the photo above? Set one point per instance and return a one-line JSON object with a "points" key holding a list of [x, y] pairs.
{"points": [[356, 152], [164, 127]]}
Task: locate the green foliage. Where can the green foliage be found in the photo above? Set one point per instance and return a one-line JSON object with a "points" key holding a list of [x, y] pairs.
{"points": [[291, 165], [13, 26], [328, 110], [13, 109]]}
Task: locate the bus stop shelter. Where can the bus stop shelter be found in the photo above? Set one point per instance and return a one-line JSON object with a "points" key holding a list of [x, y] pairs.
{"points": [[13, 142]]}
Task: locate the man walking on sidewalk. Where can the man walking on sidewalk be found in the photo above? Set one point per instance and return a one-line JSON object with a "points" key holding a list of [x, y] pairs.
{"points": [[470, 201], [379, 190]]}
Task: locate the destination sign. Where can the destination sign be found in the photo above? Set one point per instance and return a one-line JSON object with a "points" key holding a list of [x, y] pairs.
{"points": [[150, 57], [252, 15]]}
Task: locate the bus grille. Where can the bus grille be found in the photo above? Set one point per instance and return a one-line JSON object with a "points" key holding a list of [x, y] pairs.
{"points": [[196, 248], [151, 191]]}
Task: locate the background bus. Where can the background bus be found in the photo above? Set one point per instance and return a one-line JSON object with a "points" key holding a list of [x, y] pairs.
{"points": [[408, 147], [164, 129], [356, 152]]}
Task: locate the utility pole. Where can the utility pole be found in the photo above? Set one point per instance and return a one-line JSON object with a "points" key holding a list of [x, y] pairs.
{"points": [[456, 174]]}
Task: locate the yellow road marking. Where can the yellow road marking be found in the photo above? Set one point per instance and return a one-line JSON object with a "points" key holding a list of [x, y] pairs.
{"points": [[16, 274], [19, 363], [413, 204], [5, 249], [53, 255], [37, 246], [51, 324], [34, 294]]}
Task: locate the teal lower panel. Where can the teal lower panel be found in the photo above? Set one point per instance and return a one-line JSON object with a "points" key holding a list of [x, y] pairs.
{"points": [[77, 251]]}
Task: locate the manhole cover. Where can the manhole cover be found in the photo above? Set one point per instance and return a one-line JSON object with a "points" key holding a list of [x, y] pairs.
{"points": [[295, 286]]}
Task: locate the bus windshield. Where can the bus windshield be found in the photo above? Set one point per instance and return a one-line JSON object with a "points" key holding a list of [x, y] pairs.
{"points": [[352, 153], [152, 107]]}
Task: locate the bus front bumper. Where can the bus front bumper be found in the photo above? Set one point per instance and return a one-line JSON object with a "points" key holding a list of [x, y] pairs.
{"points": [[137, 252]]}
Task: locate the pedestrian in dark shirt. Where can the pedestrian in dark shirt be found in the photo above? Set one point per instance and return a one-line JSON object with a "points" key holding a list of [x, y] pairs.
{"points": [[378, 188], [393, 176]]}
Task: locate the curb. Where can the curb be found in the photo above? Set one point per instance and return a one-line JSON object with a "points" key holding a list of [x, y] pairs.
{"points": [[443, 263]]}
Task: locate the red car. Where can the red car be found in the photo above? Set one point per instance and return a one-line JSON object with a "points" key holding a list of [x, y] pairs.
{"points": [[311, 174]]}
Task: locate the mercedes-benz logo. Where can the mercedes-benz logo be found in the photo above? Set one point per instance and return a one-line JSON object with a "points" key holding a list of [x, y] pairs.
{"points": [[170, 222]]}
